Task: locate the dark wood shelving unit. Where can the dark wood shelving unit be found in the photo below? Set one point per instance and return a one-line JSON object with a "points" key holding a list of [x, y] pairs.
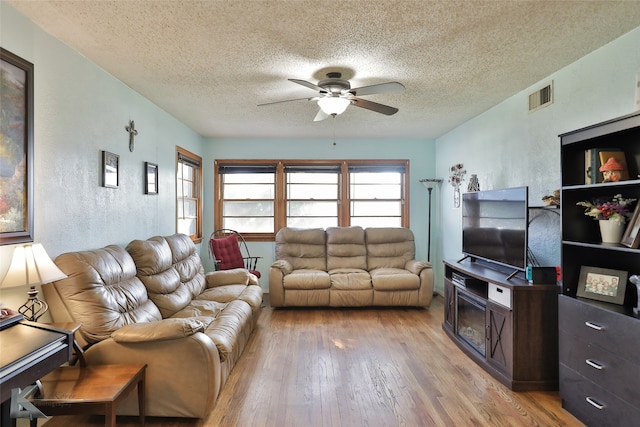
{"points": [[598, 342]]}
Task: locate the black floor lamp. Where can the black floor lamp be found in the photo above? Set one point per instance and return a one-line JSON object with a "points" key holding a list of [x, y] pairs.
{"points": [[430, 185]]}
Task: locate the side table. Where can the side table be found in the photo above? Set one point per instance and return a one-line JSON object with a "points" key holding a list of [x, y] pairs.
{"points": [[95, 389]]}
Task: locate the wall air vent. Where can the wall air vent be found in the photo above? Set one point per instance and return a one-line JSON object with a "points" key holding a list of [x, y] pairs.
{"points": [[541, 97]]}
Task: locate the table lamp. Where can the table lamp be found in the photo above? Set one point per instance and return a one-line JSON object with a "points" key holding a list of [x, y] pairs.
{"points": [[31, 266]]}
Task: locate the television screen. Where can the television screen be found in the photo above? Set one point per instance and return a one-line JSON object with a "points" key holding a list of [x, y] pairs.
{"points": [[494, 226]]}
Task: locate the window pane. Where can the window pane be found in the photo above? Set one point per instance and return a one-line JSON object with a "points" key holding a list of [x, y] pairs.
{"points": [[187, 208], [365, 222], [249, 191], [312, 209], [312, 191], [312, 222], [376, 191], [378, 208], [187, 189], [312, 178], [376, 178], [186, 172], [187, 226], [249, 178], [248, 209], [250, 225]]}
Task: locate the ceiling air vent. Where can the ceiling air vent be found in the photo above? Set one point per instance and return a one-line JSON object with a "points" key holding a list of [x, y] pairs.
{"points": [[541, 98]]}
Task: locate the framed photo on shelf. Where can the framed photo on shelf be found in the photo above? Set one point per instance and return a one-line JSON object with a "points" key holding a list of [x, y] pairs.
{"points": [[16, 149], [150, 178], [631, 236], [110, 170], [602, 284]]}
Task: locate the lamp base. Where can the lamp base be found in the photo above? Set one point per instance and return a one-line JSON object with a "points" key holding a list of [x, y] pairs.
{"points": [[33, 309]]}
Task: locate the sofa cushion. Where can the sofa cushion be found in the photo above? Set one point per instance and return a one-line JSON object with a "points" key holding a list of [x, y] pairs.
{"points": [[101, 292], [230, 330], [203, 310], [389, 247], [170, 269], [302, 248], [394, 279], [346, 248], [307, 279], [350, 279], [251, 294]]}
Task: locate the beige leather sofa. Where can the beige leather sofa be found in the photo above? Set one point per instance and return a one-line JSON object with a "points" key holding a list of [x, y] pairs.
{"points": [[348, 267], [152, 303]]}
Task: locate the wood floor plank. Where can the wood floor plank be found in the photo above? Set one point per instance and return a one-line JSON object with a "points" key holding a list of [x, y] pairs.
{"points": [[360, 367]]}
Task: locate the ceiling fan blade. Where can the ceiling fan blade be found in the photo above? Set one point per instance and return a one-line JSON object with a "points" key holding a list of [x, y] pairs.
{"points": [[374, 106], [390, 87], [289, 100], [320, 116], [308, 84]]}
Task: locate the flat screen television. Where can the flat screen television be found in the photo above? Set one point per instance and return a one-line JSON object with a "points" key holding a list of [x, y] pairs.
{"points": [[494, 226]]}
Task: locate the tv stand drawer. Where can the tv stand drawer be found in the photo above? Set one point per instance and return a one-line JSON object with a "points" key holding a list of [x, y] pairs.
{"points": [[500, 295]]}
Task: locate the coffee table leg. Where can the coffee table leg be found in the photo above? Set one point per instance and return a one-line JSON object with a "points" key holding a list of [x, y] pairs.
{"points": [[142, 404], [110, 415]]}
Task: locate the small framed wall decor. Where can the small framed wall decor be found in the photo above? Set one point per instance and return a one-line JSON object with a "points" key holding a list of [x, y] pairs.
{"points": [[150, 178], [110, 170], [631, 236], [602, 284]]}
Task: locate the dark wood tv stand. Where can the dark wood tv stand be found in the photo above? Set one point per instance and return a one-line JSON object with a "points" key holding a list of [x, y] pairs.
{"points": [[520, 343]]}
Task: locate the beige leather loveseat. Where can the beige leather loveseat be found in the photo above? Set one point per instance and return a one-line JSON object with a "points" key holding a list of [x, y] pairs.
{"points": [[348, 267], [152, 303]]}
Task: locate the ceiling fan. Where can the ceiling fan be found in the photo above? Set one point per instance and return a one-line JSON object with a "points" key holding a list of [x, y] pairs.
{"points": [[336, 94]]}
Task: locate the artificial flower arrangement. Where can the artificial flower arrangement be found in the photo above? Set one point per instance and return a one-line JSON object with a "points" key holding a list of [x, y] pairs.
{"points": [[456, 175], [615, 210]]}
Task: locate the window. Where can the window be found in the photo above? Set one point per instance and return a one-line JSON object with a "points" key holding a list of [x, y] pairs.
{"points": [[258, 197], [376, 195], [248, 198], [189, 194], [312, 196]]}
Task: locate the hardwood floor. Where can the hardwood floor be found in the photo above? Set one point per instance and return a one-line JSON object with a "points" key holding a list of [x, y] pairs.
{"points": [[360, 367]]}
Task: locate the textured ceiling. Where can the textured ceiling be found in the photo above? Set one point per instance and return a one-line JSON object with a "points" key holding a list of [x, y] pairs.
{"points": [[209, 63]]}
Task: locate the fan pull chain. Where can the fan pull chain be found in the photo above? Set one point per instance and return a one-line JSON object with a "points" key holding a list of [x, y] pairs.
{"points": [[334, 130]]}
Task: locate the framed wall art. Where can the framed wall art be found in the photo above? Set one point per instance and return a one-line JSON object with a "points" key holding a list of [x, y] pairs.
{"points": [[602, 284], [150, 178], [631, 236], [110, 170], [16, 149]]}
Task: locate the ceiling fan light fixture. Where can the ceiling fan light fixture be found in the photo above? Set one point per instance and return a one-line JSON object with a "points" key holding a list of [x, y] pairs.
{"points": [[333, 106]]}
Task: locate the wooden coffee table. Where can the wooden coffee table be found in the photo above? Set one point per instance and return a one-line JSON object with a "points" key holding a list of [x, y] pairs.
{"points": [[94, 389]]}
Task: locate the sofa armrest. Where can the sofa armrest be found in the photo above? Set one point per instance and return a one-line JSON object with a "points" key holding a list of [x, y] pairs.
{"points": [[283, 265], [166, 329], [235, 276], [416, 266], [183, 375]]}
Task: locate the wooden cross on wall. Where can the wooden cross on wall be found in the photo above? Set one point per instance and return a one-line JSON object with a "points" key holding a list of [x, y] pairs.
{"points": [[132, 133]]}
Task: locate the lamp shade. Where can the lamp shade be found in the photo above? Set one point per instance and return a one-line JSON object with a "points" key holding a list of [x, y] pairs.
{"points": [[333, 105], [430, 183], [30, 266]]}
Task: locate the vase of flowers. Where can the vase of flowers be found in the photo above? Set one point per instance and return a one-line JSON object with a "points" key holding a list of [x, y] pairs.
{"points": [[456, 176], [612, 215]]}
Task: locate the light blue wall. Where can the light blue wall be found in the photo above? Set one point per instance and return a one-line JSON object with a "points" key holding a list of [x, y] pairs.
{"points": [[80, 110], [507, 146], [420, 153]]}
